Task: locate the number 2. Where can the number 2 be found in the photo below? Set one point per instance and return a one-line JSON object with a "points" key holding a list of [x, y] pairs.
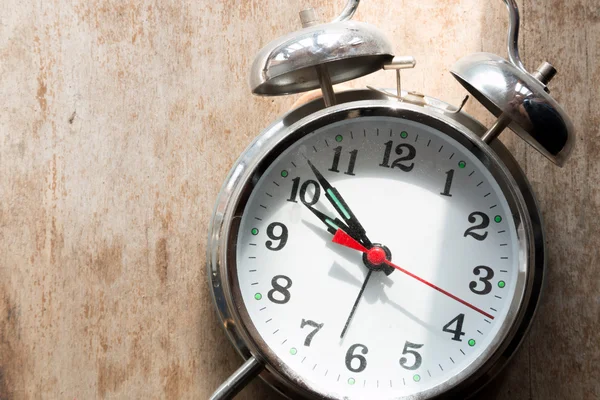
{"points": [[485, 222]]}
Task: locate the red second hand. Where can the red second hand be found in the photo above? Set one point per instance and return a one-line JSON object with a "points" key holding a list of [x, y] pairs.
{"points": [[346, 240]]}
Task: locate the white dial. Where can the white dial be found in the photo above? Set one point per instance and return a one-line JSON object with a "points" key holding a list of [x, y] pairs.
{"points": [[442, 257]]}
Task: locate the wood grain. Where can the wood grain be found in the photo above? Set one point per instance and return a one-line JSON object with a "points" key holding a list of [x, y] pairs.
{"points": [[119, 122]]}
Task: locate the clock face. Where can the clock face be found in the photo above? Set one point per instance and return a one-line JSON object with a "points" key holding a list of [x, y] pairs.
{"points": [[378, 258]]}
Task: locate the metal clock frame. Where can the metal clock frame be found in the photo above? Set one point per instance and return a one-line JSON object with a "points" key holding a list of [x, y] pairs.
{"points": [[248, 169]]}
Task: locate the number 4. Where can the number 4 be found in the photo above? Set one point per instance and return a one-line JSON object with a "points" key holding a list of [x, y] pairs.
{"points": [[458, 331]]}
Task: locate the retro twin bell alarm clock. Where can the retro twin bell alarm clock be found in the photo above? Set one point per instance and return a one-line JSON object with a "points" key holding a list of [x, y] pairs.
{"points": [[381, 244]]}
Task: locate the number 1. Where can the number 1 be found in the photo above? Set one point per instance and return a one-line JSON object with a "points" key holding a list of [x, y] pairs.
{"points": [[450, 176]]}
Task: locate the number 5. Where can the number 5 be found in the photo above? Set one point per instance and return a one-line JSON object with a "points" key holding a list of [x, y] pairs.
{"points": [[418, 358]]}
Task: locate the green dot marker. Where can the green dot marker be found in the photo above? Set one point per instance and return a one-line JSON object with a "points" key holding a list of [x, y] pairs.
{"points": [[416, 377], [471, 342], [498, 218], [351, 381], [284, 173], [339, 138], [293, 351], [462, 164], [254, 231], [403, 134], [258, 296], [501, 284]]}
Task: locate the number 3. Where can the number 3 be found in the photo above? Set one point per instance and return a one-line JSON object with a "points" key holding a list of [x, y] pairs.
{"points": [[489, 274]]}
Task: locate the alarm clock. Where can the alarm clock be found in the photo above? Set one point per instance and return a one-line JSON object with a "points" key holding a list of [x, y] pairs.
{"points": [[381, 244]]}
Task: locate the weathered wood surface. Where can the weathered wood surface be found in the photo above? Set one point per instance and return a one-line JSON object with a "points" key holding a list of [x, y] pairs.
{"points": [[120, 119]]}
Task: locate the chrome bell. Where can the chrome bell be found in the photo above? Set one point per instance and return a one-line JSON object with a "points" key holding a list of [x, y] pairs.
{"points": [[319, 56], [520, 100]]}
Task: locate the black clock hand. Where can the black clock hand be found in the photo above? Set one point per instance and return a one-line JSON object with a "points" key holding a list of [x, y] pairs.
{"points": [[337, 201], [362, 289], [333, 224]]}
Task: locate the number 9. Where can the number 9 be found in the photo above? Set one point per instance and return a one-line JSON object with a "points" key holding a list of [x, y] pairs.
{"points": [[282, 237]]}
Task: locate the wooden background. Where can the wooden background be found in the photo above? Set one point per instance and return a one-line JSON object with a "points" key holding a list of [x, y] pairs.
{"points": [[120, 119]]}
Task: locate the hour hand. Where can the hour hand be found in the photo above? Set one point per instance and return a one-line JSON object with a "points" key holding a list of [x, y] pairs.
{"points": [[337, 201], [333, 224]]}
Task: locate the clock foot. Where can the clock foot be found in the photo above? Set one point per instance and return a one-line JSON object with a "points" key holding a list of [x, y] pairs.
{"points": [[238, 380]]}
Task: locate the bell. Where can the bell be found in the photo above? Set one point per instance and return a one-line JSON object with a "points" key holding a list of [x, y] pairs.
{"points": [[520, 100], [320, 55]]}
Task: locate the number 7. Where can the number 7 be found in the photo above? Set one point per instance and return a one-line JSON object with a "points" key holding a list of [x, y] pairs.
{"points": [[310, 336]]}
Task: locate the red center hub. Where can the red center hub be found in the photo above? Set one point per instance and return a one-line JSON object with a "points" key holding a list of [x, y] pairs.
{"points": [[376, 255]]}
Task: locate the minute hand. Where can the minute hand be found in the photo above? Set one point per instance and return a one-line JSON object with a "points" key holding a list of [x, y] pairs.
{"points": [[337, 201]]}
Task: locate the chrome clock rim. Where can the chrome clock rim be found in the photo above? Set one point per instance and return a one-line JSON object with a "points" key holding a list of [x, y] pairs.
{"points": [[268, 145]]}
